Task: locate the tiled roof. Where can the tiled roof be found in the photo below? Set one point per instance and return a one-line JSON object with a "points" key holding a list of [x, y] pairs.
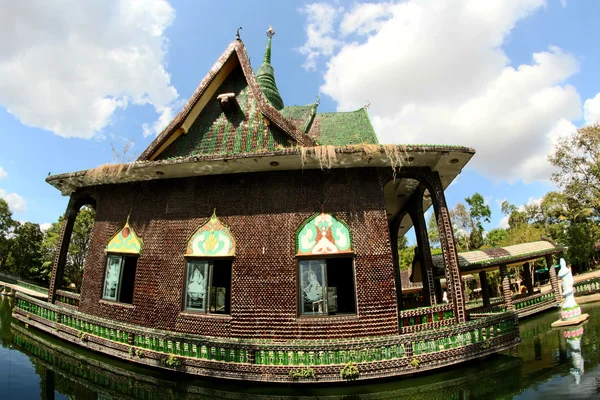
{"points": [[264, 107], [242, 129], [301, 116], [343, 128], [500, 255]]}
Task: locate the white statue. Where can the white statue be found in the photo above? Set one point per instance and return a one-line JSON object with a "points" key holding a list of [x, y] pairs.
{"points": [[569, 309]]}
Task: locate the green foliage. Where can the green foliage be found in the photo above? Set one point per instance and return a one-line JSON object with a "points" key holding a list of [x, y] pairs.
{"points": [[7, 226], [415, 362], [78, 247], [302, 373], [432, 231], [26, 252], [581, 253], [577, 160], [349, 371], [495, 237], [171, 361], [405, 257]]}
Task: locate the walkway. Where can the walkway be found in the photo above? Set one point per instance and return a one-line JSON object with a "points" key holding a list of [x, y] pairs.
{"points": [[29, 292]]}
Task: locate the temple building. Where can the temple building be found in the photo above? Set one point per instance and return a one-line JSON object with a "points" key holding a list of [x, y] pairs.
{"points": [[257, 241]]}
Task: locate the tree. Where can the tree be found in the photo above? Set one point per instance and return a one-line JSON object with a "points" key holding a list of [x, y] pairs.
{"points": [[7, 227], [577, 159], [461, 222], [27, 250], [496, 237], [433, 232]]}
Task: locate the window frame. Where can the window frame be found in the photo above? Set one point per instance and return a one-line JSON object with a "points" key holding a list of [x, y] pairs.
{"points": [[210, 268], [122, 256], [325, 257]]}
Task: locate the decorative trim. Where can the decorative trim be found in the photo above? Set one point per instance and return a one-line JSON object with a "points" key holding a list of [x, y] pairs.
{"points": [[125, 241], [323, 233], [212, 239]]}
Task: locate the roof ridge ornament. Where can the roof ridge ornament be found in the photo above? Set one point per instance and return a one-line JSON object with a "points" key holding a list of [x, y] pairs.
{"points": [[237, 33]]}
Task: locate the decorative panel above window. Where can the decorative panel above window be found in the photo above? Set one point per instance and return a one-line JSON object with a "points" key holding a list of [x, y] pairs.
{"points": [[125, 241], [323, 234], [212, 239]]}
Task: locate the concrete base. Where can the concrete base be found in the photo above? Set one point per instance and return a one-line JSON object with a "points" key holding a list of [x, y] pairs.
{"points": [[575, 321]]}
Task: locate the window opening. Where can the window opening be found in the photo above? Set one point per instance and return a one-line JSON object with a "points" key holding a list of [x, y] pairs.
{"points": [[327, 287], [208, 286], [119, 278]]}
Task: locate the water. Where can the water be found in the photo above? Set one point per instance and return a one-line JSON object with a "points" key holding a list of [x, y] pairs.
{"points": [[34, 365]]}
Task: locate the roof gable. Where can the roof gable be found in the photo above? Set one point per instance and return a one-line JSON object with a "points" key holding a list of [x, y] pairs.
{"points": [[234, 58]]}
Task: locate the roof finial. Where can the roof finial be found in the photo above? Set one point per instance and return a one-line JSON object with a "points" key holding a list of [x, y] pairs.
{"points": [[368, 104], [266, 76], [237, 33]]}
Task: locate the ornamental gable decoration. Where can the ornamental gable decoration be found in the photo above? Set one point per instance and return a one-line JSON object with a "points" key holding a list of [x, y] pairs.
{"points": [[213, 239], [125, 241], [323, 234]]}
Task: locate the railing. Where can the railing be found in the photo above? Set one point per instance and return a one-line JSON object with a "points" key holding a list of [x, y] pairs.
{"points": [[534, 300], [68, 298], [587, 286], [461, 341], [33, 287], [479, 302], [419, 319]]}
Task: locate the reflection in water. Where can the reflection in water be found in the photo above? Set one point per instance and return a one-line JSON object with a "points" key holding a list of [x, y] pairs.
{"points": [[543, 366], [573, 337]]}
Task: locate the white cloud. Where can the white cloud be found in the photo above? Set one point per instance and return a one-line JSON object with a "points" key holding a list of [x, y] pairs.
{"points": [[15, 202], [45, 226], [435, 72], [591, 110], [166, 115], [67, 68], [504, 222], [3, 173], [319, 30]]}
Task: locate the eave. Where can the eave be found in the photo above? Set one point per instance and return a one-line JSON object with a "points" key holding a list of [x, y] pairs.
{"points": [[447, 160]]}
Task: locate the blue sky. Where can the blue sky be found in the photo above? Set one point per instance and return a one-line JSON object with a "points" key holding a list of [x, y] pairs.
{"points": [[505, 77]]}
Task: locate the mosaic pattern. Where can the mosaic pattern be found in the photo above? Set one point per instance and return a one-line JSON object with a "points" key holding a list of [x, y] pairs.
{"points": [[212, 239], [294, 353], [324, 234], [125, 241]]}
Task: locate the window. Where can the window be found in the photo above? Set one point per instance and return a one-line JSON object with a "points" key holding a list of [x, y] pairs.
{"points": [[119, 279], [208, 286], [327, 287]]}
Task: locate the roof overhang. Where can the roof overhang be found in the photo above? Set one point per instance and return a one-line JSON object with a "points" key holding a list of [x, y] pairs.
{"points": [[472, 262], [447, 160]]}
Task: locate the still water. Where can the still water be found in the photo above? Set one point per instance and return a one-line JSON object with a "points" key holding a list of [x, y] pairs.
{"points": [[546, 365]]}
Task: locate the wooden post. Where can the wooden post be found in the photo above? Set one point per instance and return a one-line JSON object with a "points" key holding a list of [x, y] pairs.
{"points": [[485, 288], [527, 278], [506, 287]]}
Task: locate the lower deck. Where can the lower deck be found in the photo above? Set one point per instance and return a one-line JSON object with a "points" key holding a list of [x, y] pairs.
{"points": [[430, 346]]}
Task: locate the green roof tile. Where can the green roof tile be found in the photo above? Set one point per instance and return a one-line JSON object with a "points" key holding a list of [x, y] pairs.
{"points": [[343, 128]]}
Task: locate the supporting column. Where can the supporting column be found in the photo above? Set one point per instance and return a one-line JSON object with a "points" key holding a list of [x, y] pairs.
{"points": [[393, 227], [418, 218], [553, 277], [60, 258], [506, 287], [448, 245], [485, 288]]}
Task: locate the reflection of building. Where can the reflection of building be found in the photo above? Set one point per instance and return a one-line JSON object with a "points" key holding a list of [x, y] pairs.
{"points": [[251, 239]]}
